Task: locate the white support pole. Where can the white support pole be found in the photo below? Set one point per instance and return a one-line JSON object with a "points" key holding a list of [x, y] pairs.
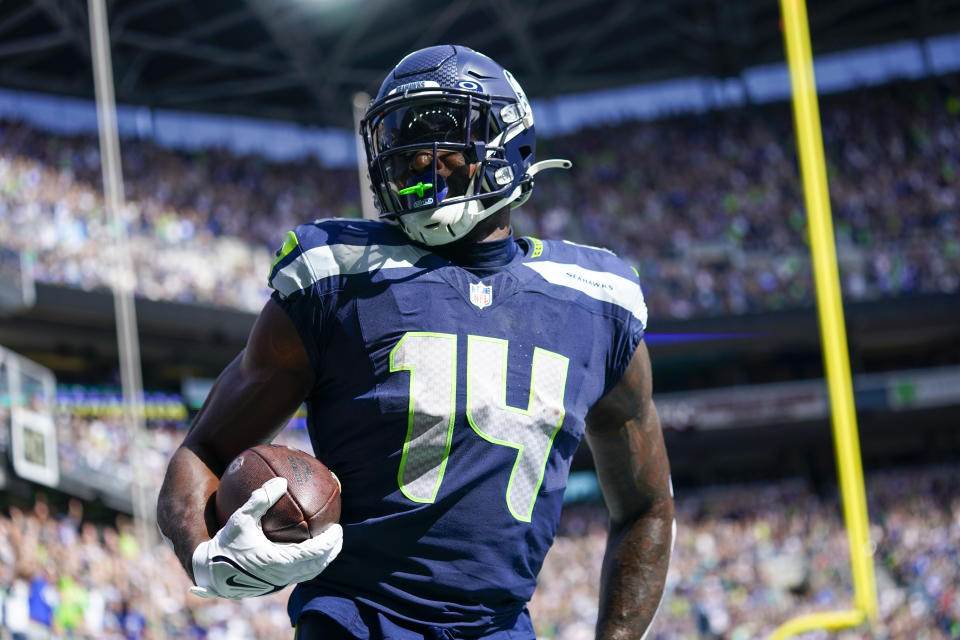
{"points": [[360, 103], [123, 277]]}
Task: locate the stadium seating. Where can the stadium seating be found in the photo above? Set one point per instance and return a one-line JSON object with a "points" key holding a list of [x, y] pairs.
{"points": [[708, 208], [747, 557]]}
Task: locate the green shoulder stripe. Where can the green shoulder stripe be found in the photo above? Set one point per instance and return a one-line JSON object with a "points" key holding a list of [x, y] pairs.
{"points": [[290, 243]]}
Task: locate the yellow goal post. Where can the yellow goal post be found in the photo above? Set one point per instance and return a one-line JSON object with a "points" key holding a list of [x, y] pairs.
{"points": [[833, 333]]}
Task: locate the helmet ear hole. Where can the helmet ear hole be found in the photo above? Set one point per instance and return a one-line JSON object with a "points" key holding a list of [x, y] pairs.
{"points": [[526, 152]]}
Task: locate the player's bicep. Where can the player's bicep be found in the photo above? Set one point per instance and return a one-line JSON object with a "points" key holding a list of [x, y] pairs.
{"points": [[256, 394], [624, 435]]}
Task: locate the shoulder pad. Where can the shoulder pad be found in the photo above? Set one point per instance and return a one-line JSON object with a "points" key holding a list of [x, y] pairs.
{"points": [[595, 272], [324, 249]]}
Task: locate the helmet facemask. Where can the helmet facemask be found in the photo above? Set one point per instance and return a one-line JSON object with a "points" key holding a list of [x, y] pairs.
{"points": [[437, 160]]}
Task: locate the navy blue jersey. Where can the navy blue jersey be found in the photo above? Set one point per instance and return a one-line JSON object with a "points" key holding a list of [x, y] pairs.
{"points": [[449, 401]]}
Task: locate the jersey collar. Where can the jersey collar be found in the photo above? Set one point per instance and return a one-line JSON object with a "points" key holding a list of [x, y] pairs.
{"points": [[480, 255]]}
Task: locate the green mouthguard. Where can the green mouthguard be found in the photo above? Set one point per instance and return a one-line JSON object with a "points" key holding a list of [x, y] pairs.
{"points": [[418, 189]]}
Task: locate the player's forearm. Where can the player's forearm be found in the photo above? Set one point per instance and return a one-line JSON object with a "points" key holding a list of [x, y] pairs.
{"points": [[182, 507], [634, 574]]}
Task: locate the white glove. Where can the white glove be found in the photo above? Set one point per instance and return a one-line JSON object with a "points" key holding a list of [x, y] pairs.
{"points": [[240, 562]]}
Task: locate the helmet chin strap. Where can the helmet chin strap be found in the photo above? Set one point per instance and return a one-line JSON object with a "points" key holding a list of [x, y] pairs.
{"points": [[448, 217], [442, 213]]}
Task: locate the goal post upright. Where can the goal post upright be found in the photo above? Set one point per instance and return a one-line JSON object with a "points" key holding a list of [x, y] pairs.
{"points": [[833, 333]]}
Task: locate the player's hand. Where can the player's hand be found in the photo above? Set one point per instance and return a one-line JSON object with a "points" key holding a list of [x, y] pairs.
{"points": [[240, 562]]}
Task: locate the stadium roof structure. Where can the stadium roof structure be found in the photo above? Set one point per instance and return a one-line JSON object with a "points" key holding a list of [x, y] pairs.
{"points": [[304, 60]]}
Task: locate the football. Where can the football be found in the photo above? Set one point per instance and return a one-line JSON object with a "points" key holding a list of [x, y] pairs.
{"points": [[312, 501]]}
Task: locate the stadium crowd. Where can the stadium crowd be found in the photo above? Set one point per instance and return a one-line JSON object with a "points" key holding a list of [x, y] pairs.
{"points": [[708, 208], [98, 451], [747, 558], [750, 557]]}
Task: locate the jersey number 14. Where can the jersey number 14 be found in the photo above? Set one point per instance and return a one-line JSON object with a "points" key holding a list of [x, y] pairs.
{"points": [[431, 359]]}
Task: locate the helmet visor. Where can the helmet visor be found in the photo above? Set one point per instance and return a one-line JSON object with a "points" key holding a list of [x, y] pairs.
{"points": [[427, 150], [427, 121]]}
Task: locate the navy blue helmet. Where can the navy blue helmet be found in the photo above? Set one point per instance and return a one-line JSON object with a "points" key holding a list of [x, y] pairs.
{"points": [[449, 141]]}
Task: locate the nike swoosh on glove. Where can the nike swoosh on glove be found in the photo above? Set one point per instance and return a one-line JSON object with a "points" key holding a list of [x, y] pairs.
{"points": [[240, 562]]}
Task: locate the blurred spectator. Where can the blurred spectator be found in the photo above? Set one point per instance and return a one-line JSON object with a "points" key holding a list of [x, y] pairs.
{"points": [[747, 558], [708, 208], [97, 448]]}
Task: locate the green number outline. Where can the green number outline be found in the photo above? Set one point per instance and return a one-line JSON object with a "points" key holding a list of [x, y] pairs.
{"points": [[471, 339], [410, 412]]}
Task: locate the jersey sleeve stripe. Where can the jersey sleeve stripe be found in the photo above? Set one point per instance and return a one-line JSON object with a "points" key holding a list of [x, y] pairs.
{"points": [[328, 261], [301, 273], [587, 246], [599, 285]]}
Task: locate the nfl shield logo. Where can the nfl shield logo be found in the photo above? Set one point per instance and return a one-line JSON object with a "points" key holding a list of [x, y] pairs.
{"points": [[481, 295]]}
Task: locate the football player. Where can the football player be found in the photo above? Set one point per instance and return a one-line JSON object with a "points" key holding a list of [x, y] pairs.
{"points": [[450, 370]]}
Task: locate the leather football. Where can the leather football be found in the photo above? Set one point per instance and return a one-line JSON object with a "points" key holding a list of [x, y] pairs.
{"points": [[312, 501]]}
